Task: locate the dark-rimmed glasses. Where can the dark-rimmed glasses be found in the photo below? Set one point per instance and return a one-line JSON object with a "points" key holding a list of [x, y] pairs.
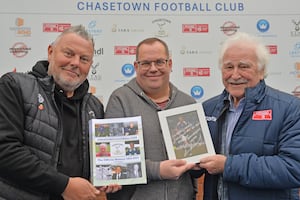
{"points": [[146, 65]]}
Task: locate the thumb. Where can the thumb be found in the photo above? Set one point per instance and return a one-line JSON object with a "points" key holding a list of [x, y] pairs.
{"points": [[190, 166], [179, 162], [97, 192]]}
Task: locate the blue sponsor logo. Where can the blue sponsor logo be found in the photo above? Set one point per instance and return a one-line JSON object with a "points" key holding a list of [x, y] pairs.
{"points": [[128, 70], [197, 92], [263, 25]]}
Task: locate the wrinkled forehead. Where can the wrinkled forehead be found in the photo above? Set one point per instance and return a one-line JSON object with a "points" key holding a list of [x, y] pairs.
{"points": [[240, 52]]}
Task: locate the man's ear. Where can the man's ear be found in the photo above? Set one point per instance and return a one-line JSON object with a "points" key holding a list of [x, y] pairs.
{"points": [[170, 64], [136, 65], [50, 51]]}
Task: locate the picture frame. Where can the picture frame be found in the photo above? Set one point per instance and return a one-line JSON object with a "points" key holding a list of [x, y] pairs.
{"points": [[186, 133], [117, 151]]}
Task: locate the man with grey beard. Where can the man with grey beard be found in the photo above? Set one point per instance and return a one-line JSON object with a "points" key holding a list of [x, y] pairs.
{"points": [[44, 116]]}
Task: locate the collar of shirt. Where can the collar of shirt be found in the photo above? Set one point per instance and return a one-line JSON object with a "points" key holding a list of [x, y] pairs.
{"points": [[232, 118]]}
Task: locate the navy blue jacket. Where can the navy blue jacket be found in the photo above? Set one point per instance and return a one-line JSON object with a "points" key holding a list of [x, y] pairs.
{"points": [[264, 153]]}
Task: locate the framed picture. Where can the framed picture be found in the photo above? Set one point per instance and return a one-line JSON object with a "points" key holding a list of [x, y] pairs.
{"points": [[117, 151], [186, 133]]}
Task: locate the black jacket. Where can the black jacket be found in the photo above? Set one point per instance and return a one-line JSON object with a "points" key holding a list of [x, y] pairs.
{"points": [[33, 126]]}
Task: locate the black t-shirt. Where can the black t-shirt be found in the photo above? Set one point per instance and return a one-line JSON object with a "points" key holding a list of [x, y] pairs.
{"points": [[70, 160]]}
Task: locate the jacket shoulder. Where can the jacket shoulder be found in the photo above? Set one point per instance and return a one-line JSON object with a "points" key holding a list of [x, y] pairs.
{"points": [[17, 76], [212, 101], [276, 94]]}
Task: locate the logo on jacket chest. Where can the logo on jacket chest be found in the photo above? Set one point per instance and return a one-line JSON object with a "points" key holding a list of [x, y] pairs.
{"points": [[262, 115], [41, 101]]}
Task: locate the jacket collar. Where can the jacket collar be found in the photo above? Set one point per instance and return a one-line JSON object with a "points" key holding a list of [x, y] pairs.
{"points": [[254, 94], [257, 93]]}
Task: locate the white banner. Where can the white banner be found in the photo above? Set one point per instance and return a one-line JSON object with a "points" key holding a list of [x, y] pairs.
{"points": [[192, 29]]}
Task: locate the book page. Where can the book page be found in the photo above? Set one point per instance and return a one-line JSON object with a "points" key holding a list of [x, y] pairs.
{"points": [[117, 151]]}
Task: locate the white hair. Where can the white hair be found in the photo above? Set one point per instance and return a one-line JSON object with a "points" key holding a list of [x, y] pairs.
{"points": [[262, 53]]}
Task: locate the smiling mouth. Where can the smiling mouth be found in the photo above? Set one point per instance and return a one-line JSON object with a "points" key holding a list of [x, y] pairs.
{"points": [[237, 83], [153, 76], [72, 73]]}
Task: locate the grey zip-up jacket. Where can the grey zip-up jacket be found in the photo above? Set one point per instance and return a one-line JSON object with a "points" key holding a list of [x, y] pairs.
{"points": [[31, 134], [129, 101]]}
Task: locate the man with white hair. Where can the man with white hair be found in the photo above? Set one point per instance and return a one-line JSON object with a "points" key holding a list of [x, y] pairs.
{"points": [[255, 130]]}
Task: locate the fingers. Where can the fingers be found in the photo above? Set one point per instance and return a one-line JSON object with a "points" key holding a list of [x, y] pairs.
{"points": [[190, 166], [196, 167], [213, 164], [214, 171], [111, 188], [204, 160], [96, 192], [177, 163], [79, 188]]}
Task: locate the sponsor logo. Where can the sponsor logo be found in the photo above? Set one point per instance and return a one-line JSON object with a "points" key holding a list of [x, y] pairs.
{"points": [[117, 29], [295, 52], [229, 28], [98, 52], [296, 73], [92, 28], [188, 51], [94, 76], [263, 25], [93, 90], [211, 118], [125, 50], [197, 92], [296, 31], [194, 71], [162, 25], [19, 49], [19, 29], [128, 70], [55, 27], [272, 49], [195, 28]]}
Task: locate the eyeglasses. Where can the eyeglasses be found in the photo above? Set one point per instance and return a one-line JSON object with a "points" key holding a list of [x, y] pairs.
{"points": [[146, 65]]}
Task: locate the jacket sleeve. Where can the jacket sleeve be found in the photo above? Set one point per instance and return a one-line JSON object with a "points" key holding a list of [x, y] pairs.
{"points": [[277, 170], [17, 163]]}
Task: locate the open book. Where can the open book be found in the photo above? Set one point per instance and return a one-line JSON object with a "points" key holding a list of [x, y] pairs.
{"points": [[117, 151], [186, 133]]}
